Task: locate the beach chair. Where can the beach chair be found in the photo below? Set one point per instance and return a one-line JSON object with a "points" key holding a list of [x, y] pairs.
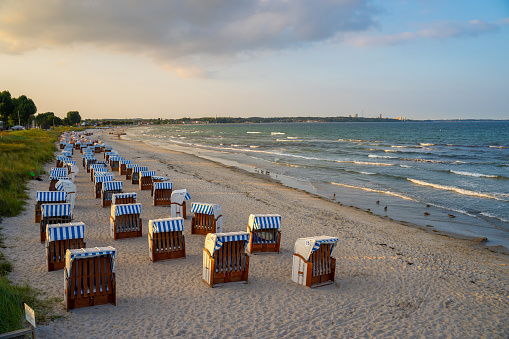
{"points": [[123, 198], [313, 265], [54, 214], [89, 277], [157, 178], [146, 180], [162, 193], [122, 166], [165, 239], [178, 203], [225, 259], [97, 148], [99, 178], [115, 163], [98, 168], [129, 171], [135, 174], [207, 218], [108, 154], [265, 233], [108, 189], [47, 197], [125, 221], [89, 161], [59, 239], [57, 173], [66, 185]]}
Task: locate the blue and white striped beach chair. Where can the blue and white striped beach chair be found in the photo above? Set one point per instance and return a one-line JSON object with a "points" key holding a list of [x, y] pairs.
{"points": [[265, 233], [108, 189], [54, 214], [313, 264], [178, 203], [165, 239], [207, 218], [225, 259], [135, 174], [146, 180], [125, 221], [99, 178], [89, 277], [122, 166], [162, 193], [124, 198], [59, 239]]}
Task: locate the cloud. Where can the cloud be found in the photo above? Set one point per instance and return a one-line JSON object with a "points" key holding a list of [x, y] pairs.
{"points": [[168, 31], [440, 30]]}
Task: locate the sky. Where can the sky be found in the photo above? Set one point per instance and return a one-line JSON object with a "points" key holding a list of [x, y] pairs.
{"points": [[169, 59]]}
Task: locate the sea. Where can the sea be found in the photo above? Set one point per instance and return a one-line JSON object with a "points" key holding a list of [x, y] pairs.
{"points": [[448, 177]]}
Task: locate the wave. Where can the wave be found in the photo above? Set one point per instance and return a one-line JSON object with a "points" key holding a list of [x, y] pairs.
{"points": [[486, 214], [381, 156], [368, 173], [498, 147], [277, 133], [406, 166], [286, 140], [456, 189], [283, 164], [477, 175], [253, 132], [395, 194], [426, 144], [254, 146], [433, 161], [364, 163], [292, 137], [352, 140]]}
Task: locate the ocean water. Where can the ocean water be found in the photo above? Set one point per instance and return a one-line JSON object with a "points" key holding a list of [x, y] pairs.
{"points": [[445, 176]]}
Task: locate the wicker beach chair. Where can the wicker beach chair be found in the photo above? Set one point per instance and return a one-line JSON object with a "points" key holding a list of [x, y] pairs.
{"points": [[47, 197], [162, 193], [99, 178], [125, 221], [115, 162], [108, 189], [97, 168], [66, 185], [165, 239], [57, 173], [122, 166], [89, 277], [135, 174], [225, 259], [207, 218], [178, 203], [59, 239], [146, 180], [265, 233], [54, 214], [313, 265]]}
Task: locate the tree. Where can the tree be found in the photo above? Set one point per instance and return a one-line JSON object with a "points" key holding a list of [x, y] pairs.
{"points": [[73, 117], [24, 110], [6, 106], [48, 119]]}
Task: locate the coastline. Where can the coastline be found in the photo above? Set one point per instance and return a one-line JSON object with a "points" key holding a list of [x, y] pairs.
{"points": [[391, 279]]}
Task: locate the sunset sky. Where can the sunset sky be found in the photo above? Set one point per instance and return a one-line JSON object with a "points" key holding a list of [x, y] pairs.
{"points": [[423, 59]]}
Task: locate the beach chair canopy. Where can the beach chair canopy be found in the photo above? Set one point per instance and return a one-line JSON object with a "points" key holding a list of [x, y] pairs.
{"points": [[67, 154], [165, 225], [125, 162], [56, 210], [178, 196], [72, 230], [147, 173], [210, 209], [160, 178], [91, 252], [116, 158], [111, 153], [62, 158], [214, 241], [98, 167], [70, 162], [165, 185], [112, 185], [50, 196], [140, 168], [131, 165], [264, 221], [65, 185], [117, 210], [59, 172], [89, 156], [102, 178], [305, 246]]}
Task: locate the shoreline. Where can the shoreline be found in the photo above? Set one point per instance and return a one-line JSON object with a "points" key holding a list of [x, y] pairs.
{"points": [[481, 240], [391, 280]]}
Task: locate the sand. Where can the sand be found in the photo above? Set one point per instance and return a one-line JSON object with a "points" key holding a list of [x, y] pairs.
{"points": [[391, 280]]}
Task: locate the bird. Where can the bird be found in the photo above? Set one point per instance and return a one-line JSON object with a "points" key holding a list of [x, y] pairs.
{"points": [[378, 202], [385, 208], [428, 206], [451, 216], [426, 213]]}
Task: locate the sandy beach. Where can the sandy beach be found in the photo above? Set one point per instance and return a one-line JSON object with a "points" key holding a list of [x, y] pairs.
{"points": [[391, 281]]}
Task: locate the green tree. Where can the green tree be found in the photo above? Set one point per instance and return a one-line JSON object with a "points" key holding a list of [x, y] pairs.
{"points": [[73, 117], [46, 120], [6, 106], [24, 110]]}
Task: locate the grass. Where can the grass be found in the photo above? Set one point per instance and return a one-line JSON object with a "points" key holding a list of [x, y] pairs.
{"points": [[20, 152]]}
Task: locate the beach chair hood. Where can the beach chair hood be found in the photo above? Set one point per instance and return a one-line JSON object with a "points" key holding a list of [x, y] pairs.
{"points": [[72, 230], [56, 210], [165, 225], [102, 177], [112, 185], [214, 241], [147, 173], [91, 252], [209, 209], [305, 246], [117, 210], [65, 185], [178, 196], [116, 196], [163, 185], [264, 221], [51, 196]]}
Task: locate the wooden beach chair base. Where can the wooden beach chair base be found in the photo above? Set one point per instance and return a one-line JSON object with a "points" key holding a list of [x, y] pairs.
{"points": [[55, 252], [126, 226], [203, 224], [257, 244], [320, 270], [106, 197], [229, 264], [92, 283], [162, 197], [51, 221], [167, 245]]}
